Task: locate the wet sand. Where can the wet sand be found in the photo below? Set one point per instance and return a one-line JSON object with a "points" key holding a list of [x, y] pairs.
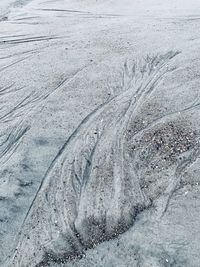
{"points": [[99, 133]]}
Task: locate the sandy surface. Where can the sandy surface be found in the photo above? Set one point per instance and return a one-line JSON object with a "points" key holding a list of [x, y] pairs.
{"points": [[99, 133]]}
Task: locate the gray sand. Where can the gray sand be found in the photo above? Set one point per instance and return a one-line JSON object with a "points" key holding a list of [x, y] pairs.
{"points": [[99, 133]]}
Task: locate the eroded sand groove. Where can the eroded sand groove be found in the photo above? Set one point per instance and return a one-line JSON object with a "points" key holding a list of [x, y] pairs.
{"points": [[97, 184], [14, 118]]}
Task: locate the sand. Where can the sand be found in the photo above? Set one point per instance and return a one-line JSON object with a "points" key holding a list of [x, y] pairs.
{"points": [[99, 133]]}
